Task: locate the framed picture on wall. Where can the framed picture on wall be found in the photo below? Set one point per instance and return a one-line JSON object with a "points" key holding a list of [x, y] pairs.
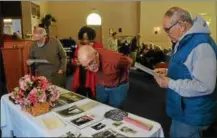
{"points": [[35, 10]]}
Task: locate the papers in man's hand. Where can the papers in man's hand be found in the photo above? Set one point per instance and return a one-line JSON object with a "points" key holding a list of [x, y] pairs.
{"points": [[38, 61], [145, 69]]}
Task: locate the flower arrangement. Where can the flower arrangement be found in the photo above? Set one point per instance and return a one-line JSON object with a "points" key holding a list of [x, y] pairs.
{"points": [[33, 91]]}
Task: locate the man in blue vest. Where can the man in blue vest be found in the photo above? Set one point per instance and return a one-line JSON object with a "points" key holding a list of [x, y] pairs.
{"points": [[190, 80]]}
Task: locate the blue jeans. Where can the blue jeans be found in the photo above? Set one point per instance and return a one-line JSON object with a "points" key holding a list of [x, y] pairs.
{"points": [[112, 96], [179, 130]]}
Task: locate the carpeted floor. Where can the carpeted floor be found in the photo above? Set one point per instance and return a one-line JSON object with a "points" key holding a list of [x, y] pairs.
{"points": [[146, 99]]}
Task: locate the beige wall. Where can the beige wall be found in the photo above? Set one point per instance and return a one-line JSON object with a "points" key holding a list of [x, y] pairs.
{"points": [[152, 14], [26, 18], [133, 17], [71, 16]]}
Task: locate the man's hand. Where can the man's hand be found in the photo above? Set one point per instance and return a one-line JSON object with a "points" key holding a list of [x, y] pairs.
{"points": [[60, 71], [162, 81], [29, 62], [161, 71]]}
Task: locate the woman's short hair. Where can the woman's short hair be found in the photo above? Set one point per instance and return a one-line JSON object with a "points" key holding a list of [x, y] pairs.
{"points": [[114, 33], [91, 33]]}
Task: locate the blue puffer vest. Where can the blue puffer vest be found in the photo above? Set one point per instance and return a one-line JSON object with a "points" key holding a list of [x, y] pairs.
{"points": [[195, 111]]}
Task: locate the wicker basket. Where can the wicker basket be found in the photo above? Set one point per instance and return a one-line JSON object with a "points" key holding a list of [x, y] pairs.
{"points": [[39, 109]]}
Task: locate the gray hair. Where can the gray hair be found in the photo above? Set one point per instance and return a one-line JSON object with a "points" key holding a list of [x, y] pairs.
{"points": [[41, 31], [178, 13]]}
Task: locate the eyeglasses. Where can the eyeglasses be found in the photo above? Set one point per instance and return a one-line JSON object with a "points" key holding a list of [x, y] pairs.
{"points": [[167, 30], [92, 62]]}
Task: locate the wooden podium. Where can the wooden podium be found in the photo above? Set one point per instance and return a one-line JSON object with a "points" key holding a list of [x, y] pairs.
{"points": [[13, 64], [14, 59]]}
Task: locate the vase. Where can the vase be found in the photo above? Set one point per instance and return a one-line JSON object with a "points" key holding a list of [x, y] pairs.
{"points": [[38, 109]]}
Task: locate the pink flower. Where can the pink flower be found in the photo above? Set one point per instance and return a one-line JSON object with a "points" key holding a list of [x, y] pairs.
{"points": [[15, 93], [26, 102], [21, 93], [19, 100], [42, 97], [42, 83], [33, 96], [33, 92], [54, 93], [25, 82]]}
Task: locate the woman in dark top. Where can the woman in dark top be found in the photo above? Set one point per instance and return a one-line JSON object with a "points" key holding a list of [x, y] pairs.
{"points": [[84, 81]]}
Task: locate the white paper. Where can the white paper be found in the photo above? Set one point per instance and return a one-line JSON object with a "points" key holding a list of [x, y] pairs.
{"points": [[145, 69], [38, 60]]}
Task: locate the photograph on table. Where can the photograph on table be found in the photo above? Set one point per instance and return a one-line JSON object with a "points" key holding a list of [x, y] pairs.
{"points": [[59, 102], [71, 111], [89, 105], [98, 126], [67, 98], [117, 123], [70, 134], [128, 130], [82, 120], [71, 97], [85, 120], [108, 133]]}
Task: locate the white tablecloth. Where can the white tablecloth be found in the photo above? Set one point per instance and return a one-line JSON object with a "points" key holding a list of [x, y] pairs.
{"points": [[16, 122]]}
